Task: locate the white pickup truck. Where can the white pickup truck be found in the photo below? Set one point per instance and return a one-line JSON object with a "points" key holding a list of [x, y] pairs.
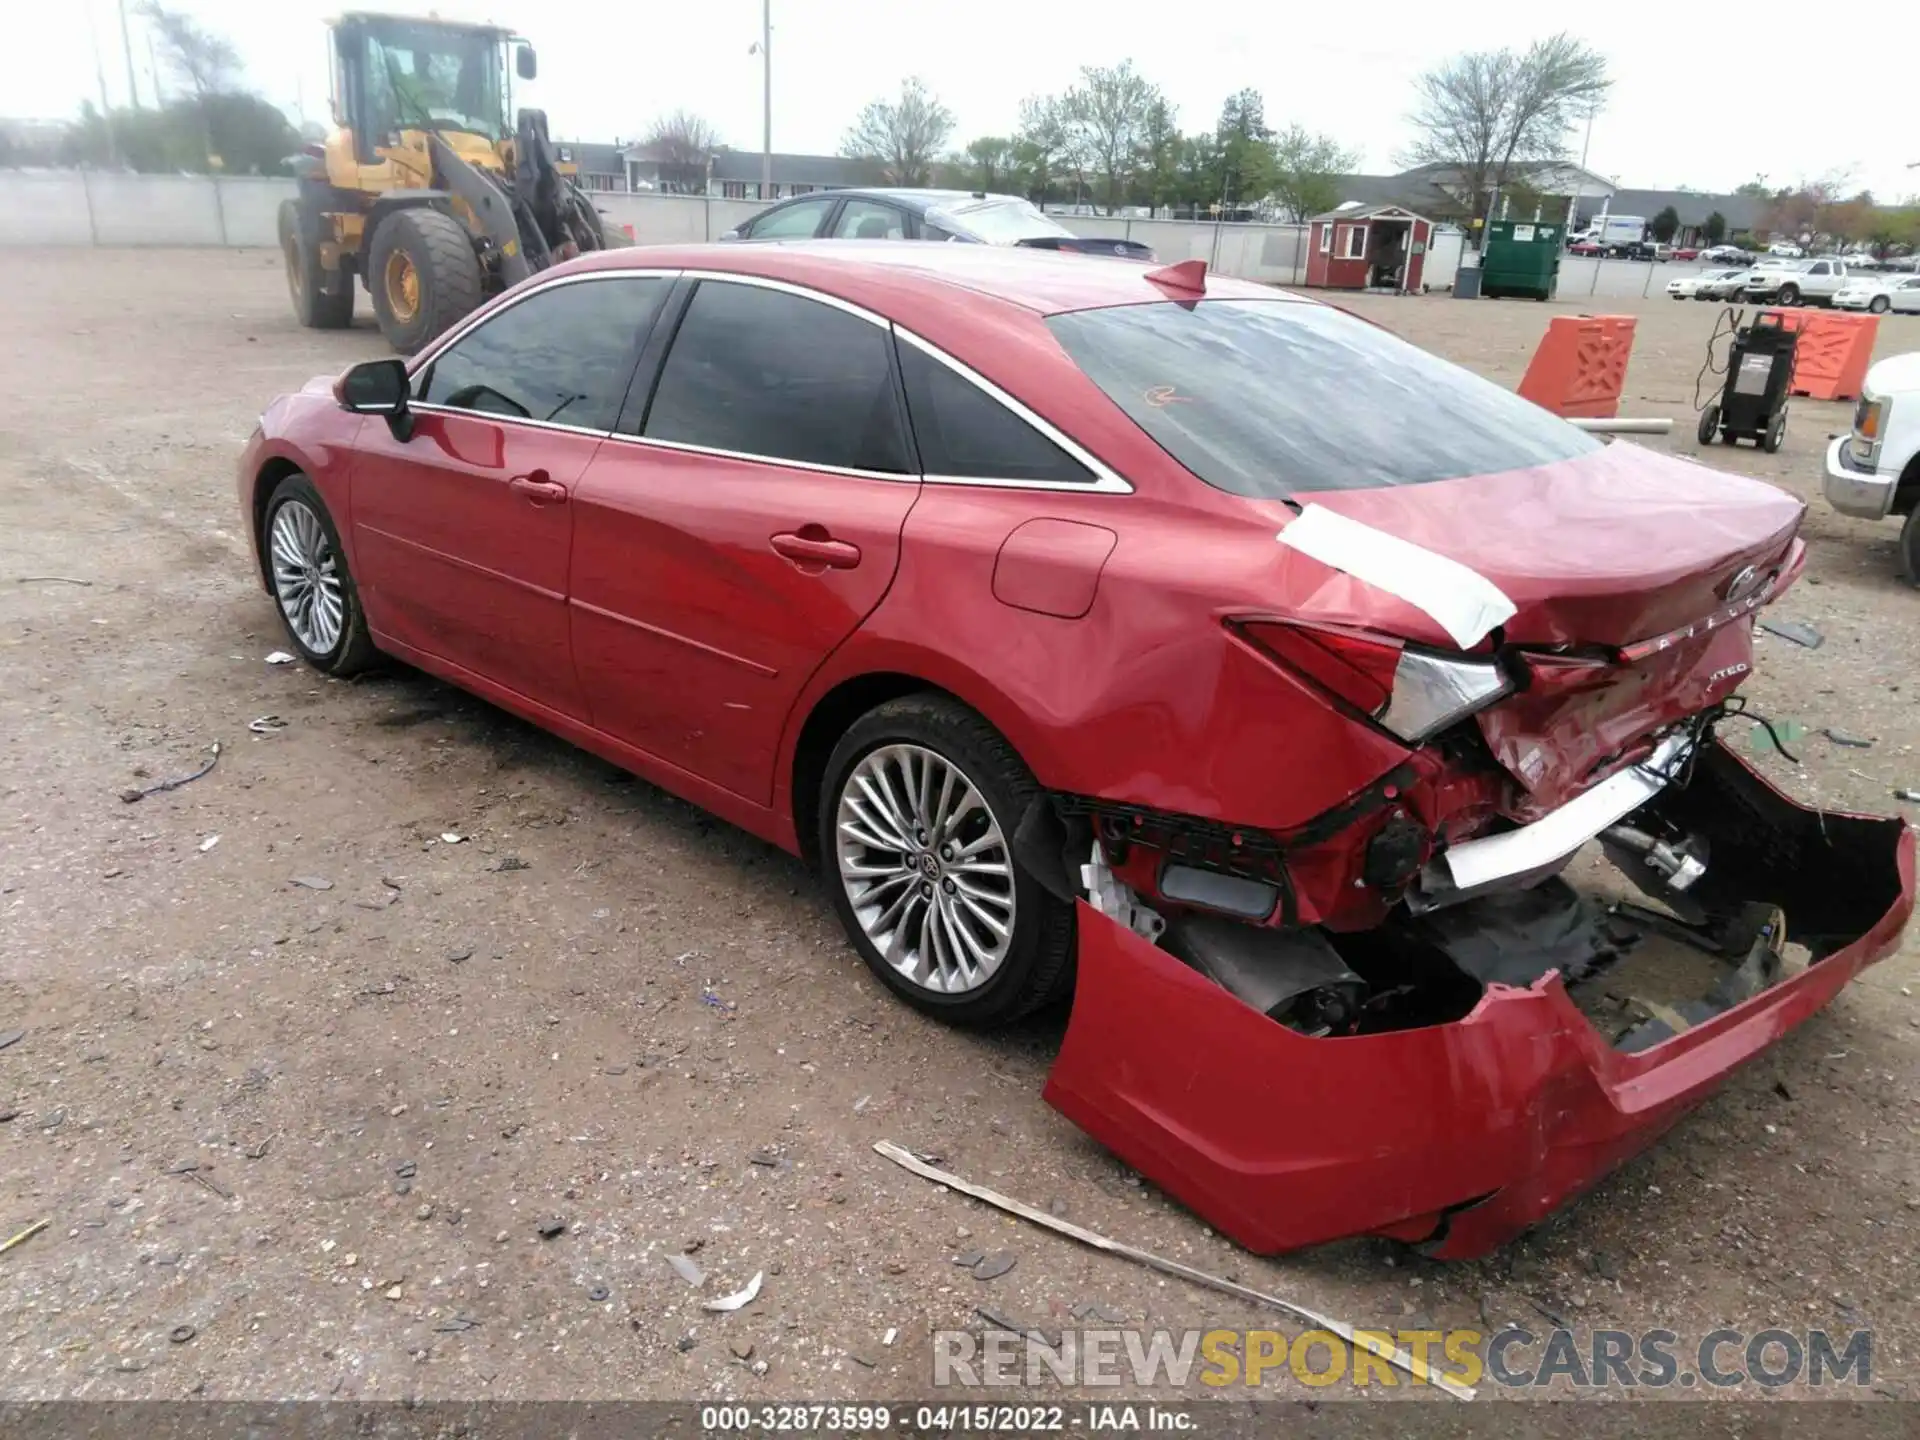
{"points": [[1798, 282], [1874, 471]]}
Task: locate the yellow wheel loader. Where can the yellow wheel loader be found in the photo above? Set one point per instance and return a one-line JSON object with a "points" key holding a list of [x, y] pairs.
{"points": [[423, 190]]}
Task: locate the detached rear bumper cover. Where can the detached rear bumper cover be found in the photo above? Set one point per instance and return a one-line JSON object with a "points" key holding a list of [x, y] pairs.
{"points": [[1465, 1133]]}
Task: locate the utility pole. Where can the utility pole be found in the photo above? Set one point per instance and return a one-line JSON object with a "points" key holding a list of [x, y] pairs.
{"points": [[766, 99], [126, 48], [100, 78]]}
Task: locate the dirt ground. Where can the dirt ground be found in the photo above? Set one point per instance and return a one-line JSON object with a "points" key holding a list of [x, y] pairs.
{"points": [[605, 1008]]}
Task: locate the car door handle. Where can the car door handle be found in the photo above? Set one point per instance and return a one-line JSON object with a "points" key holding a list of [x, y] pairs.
{"points": [[538, 489], [816, 548]]}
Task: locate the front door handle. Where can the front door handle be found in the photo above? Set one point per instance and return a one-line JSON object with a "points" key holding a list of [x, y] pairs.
{"points": [[814, 546], [537, 489]]}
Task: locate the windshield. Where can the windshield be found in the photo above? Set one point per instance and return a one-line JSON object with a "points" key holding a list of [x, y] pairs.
{"points": [[1268, 398], [435, 75], [998, 222]]}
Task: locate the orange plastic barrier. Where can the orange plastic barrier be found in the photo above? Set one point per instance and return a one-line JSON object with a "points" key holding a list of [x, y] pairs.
{"points": [[1581, 366], [1830, 361]]}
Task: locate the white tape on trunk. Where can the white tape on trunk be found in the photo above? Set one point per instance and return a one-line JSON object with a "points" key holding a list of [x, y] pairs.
{"points": [[1464, 602]]}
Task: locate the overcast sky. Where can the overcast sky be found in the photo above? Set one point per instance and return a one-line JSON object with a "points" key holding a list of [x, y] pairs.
{"points": [[1694, 103]]}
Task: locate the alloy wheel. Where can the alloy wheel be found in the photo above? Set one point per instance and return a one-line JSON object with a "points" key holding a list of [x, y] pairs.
{"points": [[927, 868], [306, 577]]}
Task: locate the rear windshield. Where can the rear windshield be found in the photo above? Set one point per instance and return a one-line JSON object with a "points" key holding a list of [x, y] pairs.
{"points": [[998, 222], [1266, 398]]}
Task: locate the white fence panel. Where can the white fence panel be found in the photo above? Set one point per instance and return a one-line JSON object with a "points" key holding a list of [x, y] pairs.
{"points": [[44, 209], [250, 208], [154, 209]]}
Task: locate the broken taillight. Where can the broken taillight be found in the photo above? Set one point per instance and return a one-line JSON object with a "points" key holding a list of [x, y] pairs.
{"points": [[1413, 693]]}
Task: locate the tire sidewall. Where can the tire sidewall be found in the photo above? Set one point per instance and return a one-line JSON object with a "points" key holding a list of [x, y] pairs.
{"points": [[298, 487], [1037, 914]]}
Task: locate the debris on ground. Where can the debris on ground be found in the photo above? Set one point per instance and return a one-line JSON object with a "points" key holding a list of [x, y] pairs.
{"points": [[24, 1236], [1852, 742], [311, 882], [450, 838], [511, 862], [967, 1259], [1796, 631], [141, 792], [708, 997], [552, 1226], [49, 580], [456, 1325], [742, 1349], [597, 1293], [266, 724], [1104, 1314], [1912, 797], [1012, 1326], [11, 1037], [1769, 737], [684, 1267], [181, 1334], [907, 1160], [279, 657], [208, 843], [992, 1267], [742, 1297]]}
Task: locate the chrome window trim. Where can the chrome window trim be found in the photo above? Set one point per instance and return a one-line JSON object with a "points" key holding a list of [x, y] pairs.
{"points": [[527, 420], [1104, 482], [682, 447]]}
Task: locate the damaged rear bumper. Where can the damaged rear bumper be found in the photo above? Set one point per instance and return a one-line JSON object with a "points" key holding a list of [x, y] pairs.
{"points": [[1460, 1134]]}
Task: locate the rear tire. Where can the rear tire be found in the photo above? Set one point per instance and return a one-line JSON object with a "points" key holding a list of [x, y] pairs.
{"points": [[423, 275], [313, 305], [1034, 967]]}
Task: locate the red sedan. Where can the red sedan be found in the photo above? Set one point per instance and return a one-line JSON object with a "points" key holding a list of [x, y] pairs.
{"points": [[1189, 648]]}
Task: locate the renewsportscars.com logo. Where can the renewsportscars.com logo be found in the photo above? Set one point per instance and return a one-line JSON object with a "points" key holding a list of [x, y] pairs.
{"points": [[1515, 1358]]}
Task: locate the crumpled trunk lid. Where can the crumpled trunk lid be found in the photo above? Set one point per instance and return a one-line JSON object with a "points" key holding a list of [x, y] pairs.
{"points": [[1613, 547]]}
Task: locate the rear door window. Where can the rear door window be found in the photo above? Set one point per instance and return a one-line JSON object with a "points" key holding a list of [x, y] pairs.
{"points": [[1269, 398], [965, 433], [771, 374], [870, 220]]}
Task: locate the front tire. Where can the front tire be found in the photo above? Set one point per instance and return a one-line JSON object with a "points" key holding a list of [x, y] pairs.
{"points": [[1709, 423], [1879, 305], [312, 587], [1789, 295], [917, 814], [424, 276]]}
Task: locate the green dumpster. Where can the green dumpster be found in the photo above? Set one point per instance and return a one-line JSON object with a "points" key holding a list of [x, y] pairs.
{"points": [[1522, 259]]}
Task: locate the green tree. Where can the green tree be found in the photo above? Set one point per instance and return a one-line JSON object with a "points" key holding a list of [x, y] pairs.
{"points": [[1665, 225], [1715, 230], [988, 163], [1305, 174], [1246, 149], [1107, 115], [903, 134], [1197, 180], [1040, 146], [1160, 158]]}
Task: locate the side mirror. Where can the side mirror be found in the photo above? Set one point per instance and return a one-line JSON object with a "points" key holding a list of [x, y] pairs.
{"points": [[378, 387], [525, 63]]}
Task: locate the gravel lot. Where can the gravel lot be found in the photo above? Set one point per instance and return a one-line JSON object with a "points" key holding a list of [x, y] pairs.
{"points": [[605, 1008]]}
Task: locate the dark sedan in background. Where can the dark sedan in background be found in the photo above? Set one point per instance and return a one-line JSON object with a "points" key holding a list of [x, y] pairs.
{"points": [[974, 217]]}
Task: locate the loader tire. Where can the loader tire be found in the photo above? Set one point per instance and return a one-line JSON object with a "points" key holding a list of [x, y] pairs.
{"points": [[314, 306], [423, 275]]}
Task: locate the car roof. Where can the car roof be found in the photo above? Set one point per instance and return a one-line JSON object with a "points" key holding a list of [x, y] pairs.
{"points": [[918, 201], [909, 275]]}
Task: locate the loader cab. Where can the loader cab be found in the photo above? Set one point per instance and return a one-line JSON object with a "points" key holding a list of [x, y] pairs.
{"points": [[394, 75]]}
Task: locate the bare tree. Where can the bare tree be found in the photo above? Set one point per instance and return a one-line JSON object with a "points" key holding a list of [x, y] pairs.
{"points": [[682, 144], [206, 63], [1109, 114], [1305, 170], [904, 135], [1485, 113]]}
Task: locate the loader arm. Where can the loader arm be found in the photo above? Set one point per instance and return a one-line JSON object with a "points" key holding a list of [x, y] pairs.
{"points": [[492, 209]]}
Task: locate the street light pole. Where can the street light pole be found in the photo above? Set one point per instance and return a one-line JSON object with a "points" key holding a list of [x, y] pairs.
{"points": [[766, 99]]}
